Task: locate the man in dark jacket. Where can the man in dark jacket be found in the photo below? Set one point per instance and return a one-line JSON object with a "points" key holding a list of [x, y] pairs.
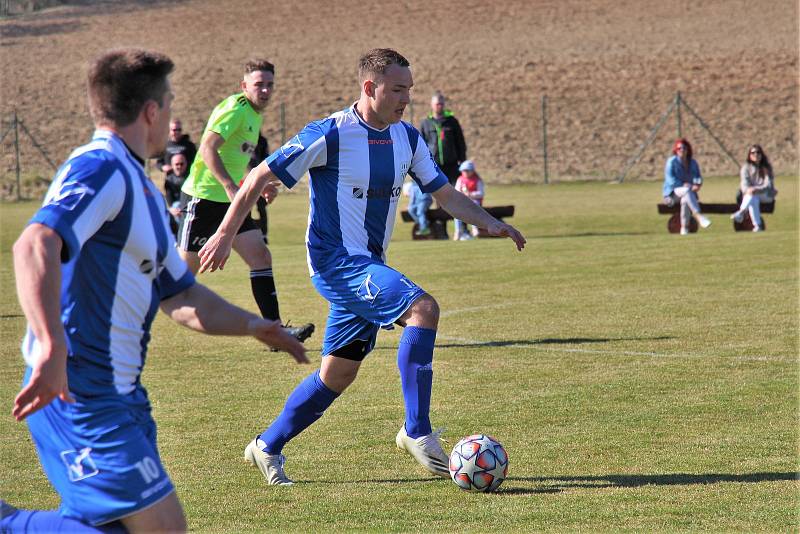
{"points": [[178, 143], [444, 137]]}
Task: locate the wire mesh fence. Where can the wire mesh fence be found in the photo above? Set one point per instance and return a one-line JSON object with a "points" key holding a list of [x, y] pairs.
{"points": [[528, 138]]}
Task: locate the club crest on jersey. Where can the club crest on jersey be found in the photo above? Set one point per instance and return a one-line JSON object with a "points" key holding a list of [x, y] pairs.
{"points": [[80, 464], [69, 194], [292, 147]]}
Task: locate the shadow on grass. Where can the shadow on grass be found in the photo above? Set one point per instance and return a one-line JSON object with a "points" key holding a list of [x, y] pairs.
{"points": [[588, 234], [552, 341], [635, 481], [11, 316]]}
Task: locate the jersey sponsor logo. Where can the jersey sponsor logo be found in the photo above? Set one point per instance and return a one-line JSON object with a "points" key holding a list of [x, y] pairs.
{"points": [[368, 290], [380, 142], [378, 192], [80, 464], [292, 147], [404, 168]]}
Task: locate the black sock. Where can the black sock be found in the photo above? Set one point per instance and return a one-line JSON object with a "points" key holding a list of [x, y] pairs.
{"points": [[263, 285]]}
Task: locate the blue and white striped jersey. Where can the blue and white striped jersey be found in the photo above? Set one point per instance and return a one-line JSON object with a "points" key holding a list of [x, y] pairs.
{"points": [[356, 177], [118, 262]]}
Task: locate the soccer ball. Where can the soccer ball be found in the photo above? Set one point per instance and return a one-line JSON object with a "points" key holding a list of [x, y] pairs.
{"points": [[478, 463]]}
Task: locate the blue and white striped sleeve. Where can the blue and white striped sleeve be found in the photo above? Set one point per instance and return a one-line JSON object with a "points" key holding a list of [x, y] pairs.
{"points": [[304, 151], [85, 193]]}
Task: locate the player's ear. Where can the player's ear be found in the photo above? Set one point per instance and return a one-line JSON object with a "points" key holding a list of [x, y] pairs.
{"points": [[150, 111], [369, 88], [243, 84]]}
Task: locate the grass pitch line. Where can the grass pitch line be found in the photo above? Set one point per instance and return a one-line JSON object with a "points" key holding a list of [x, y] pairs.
{"points": [[449, 313], [467, 341]]}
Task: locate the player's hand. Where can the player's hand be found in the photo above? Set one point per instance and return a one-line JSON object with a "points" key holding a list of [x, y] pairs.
{"points": [[214, 253], [501, 229], [270, 191], [273, 334], [48, 381]]}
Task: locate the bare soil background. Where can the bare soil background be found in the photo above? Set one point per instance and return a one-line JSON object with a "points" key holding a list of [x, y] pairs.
{"points": [[609, 70]]}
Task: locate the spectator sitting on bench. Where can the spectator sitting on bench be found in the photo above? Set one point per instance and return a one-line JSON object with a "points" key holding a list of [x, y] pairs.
{"points": [[682, 181], [757, 186], [470, 184], [418, 204]]}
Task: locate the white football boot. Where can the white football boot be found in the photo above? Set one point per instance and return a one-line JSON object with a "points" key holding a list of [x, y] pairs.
{"points": [[270, 465], [427, 450]]}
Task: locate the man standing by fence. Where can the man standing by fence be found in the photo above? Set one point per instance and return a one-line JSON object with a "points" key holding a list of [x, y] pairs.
{"points": [[445, 140]]}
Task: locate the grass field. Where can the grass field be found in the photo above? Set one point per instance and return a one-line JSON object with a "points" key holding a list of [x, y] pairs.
{"points": [[639, 380]]}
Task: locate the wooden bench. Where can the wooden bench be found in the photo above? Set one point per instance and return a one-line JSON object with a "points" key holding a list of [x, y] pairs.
{"points": [[674, 222], [437, 221]]}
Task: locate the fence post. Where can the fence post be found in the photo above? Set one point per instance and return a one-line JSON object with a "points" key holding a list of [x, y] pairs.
{"points": [[678, 101], [283, 123], [544, 138], [16, 155]]}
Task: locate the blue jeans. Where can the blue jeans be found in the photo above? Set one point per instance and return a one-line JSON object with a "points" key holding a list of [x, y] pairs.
{"points": [[417, 208]]}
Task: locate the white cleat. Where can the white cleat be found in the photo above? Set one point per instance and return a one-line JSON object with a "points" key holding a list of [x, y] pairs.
{"points": [[270, 465], [427, 450]]}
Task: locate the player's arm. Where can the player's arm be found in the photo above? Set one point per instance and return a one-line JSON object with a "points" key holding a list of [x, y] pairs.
{"points": [[215, 252], [461, 207], [200, 309], [209, 151], [37, 267]]}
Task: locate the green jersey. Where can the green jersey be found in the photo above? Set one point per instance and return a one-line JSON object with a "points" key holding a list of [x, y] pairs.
{"points": [[235, 120]]}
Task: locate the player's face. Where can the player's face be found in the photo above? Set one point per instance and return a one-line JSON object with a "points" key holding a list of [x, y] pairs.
{"points": [[257, 87], [159, 129], [392, 94]]}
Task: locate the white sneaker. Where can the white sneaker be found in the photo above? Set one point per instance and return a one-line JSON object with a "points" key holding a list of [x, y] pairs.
{"points": [[757, 229], [427, 450], [704, 221], [738, 216], [684, 231], [270, 465]]}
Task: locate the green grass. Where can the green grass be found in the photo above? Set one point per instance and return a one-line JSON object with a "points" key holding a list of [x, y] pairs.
{"points": [[639, 380]]}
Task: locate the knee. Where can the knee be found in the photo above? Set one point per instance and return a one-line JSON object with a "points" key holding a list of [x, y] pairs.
{"points": [[338, 379], [425, 312], [258, 258]]}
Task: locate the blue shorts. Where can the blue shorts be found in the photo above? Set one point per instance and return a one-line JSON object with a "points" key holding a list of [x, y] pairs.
{"points": [[100, 455], [365, 295]]}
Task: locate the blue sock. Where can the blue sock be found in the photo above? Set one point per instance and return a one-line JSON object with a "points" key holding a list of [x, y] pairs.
{"points": [[15, 520], [414, 359], [306, 404]]}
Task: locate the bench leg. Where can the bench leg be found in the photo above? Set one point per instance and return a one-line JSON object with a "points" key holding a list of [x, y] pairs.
{"points": [[438, 229], [747, 224], [674, 224]]}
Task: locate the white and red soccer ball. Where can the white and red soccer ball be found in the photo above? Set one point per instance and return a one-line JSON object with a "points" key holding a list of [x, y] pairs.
{"points": [[478, 463]]}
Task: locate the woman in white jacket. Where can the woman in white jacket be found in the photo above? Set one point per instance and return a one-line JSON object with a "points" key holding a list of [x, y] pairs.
{"points": [[757, 186]]}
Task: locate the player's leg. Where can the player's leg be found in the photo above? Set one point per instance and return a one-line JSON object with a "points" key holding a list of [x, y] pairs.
{"points": [[164, 516], [19, 520], [107, 468], [348, 339], [249, 244], [197, 225]]}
